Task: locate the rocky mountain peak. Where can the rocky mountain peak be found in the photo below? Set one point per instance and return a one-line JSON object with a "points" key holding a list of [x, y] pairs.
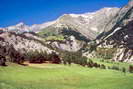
{"points": [[88, 24], [119, 34], [20, 27], [89, 21], [20, 24]]}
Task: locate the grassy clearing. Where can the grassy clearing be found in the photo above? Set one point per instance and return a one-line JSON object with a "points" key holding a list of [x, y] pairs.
{"points": [[52, 76]]}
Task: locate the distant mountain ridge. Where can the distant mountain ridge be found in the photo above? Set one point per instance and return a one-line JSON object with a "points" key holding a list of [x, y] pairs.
{"points": [[108, 28], [88, 24]]}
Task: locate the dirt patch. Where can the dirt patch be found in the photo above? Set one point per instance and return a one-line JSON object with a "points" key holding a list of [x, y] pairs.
{"points": [[43, 65]]}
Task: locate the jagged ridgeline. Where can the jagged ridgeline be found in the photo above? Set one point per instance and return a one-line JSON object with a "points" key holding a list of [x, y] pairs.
{"points": [[110, 35], [84, 27], [118, 35]]}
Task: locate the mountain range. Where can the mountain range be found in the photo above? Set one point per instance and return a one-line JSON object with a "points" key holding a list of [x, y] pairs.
{"points": [[106, 29], [88, 25]]}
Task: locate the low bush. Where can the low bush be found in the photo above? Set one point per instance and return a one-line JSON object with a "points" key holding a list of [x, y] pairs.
{"points": [[90, 63], [130, 68], [102, 66], [96, 65], [115, 68], [109, 67], [2, 61], [123, 69]]}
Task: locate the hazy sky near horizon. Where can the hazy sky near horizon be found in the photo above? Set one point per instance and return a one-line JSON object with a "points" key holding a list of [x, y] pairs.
{"points": [[39, 11]]}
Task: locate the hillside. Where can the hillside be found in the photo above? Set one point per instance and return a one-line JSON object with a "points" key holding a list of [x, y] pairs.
{"points": [[71, 32], [86, 26], [119, 34], [24, 42]]}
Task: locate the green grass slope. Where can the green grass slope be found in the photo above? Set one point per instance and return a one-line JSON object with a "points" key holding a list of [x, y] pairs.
{"points": [[53, 76]]}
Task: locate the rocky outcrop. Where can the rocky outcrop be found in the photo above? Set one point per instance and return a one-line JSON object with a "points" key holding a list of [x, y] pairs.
{"points": [[89, 25], [18, 48], [120, 34], [125, 43], [124, 15], [24, 43], [19, 28], [70, 44]]}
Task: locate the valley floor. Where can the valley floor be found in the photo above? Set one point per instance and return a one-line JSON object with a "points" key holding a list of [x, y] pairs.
{"points": [[52, 76]]}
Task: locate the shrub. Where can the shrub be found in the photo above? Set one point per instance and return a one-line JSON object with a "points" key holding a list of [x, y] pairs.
{"points": [[2, 61], [109, 67], [64, 62], [90, 65], [35, 57], [102, 66], [130, 68], [54, 58], [83, 61], [115, 68], [124, 70], [102, 60], [95, 65]]}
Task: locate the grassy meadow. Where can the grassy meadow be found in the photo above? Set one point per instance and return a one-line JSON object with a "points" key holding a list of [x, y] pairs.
{"points": [[59, 76]]}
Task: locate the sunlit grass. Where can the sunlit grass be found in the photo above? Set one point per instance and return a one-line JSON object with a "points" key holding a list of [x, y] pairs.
{"points": [[52, 76]]}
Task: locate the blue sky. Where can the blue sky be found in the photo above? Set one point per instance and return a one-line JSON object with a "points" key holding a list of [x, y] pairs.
{"points": [[39, 11]]}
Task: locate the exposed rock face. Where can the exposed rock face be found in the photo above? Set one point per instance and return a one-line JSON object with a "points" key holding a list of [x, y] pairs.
{"points": [[23, 44], [124, 15], [121, 34], [124, 42], [16, 47], [70, 44], [88, 25], [19, 28]]}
